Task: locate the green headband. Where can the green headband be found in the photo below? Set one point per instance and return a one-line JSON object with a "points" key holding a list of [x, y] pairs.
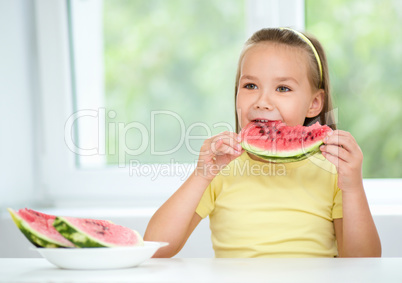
{"points": [[317, 57]]}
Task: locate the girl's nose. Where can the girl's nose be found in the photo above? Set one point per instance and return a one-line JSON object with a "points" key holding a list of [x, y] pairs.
{"points": [[264, 103]]}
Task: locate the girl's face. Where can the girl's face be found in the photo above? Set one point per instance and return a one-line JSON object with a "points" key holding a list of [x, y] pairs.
{"points": [[274, 85]]}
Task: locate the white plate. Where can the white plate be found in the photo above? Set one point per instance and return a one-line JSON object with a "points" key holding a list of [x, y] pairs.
{"points": [[100, 258]]}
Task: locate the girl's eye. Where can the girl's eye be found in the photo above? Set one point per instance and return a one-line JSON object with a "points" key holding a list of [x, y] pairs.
{"points": [[250, 86], [283, 89]]}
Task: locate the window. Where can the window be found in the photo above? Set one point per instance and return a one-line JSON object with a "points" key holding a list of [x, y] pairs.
{"points": [[363, 46], [163, 70], [103, 83]]}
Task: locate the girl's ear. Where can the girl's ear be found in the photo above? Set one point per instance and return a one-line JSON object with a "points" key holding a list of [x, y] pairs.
{"points": [[317, 103]]}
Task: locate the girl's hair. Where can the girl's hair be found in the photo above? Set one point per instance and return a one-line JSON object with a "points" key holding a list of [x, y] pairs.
{"points": [[291, 38]]}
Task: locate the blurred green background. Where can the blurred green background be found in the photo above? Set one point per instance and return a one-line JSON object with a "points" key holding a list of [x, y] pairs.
{"points": [[178, 56], [181, 56], [363, 42]]}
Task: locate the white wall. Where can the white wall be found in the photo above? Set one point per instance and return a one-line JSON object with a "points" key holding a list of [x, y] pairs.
{"points": [[17, 63]]}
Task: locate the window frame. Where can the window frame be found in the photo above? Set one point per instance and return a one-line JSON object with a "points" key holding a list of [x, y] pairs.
{"points": [[61, 181]]}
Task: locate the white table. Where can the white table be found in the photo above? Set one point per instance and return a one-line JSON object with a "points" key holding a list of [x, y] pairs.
{"points": [[213, 270]]}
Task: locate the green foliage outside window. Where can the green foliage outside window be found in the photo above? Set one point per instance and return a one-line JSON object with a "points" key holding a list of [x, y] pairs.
{"points": [[177, 56], [363, 41]]}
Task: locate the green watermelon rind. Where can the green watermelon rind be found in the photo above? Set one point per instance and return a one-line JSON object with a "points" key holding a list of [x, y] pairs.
{"points": [[79, 237], [75, 235], [297, 158], [37, 239], [283, 157]]}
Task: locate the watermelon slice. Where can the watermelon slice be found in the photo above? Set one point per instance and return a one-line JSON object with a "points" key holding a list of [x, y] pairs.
{"points": [[276, 142], [38, 228], [96, 233]]}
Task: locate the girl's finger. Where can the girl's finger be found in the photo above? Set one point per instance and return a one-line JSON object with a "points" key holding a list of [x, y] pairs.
{"points": [[333, 159], [232, 143], [211, 145], [236, 138], [229, 140], [343, 141], [216, 145], [336, 151], [343, 133], [233, 135], [223, 148]]}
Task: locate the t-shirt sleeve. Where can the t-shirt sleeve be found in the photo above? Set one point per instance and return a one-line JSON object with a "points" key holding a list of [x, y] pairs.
{"points": [[207, 202], [337, 208]]}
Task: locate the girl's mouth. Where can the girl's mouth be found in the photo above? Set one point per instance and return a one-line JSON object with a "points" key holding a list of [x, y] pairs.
{"points": [[265, 120], [269, 123], [260, 120]]}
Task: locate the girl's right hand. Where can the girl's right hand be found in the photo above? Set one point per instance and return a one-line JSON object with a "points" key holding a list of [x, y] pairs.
{"points": [[217, 152]]}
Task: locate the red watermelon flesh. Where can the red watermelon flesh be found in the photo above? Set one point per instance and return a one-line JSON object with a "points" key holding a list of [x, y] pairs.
{"points": [[276, 142], [38, 228]]}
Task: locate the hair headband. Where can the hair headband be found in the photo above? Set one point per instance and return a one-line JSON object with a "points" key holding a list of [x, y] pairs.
{"points": [[317, 57]]}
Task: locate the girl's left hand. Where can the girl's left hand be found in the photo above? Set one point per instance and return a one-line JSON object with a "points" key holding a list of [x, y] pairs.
{"points": [[342, 150]]}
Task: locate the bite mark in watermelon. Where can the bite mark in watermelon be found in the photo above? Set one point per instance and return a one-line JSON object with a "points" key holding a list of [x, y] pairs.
{"points": [[38, 228], [96, 233], [276, 142]]}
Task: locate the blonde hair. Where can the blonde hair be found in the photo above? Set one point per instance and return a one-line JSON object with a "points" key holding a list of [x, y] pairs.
{"points": [[292, 38]]}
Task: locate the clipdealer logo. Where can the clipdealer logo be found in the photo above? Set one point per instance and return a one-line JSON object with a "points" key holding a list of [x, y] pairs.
{"points": [[118, 131], [129, 156]]}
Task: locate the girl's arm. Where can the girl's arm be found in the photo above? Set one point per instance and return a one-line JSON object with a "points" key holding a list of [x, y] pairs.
{"points": [[176, 219], [356, 233]]}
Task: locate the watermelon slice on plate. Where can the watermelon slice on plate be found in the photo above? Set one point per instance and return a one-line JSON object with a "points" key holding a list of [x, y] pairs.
{"points": [[50, 231], [38, 228], [96, 233], [276, 142]]}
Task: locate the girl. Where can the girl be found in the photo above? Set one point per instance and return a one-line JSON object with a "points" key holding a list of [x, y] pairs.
{"points": [[260, 209]]}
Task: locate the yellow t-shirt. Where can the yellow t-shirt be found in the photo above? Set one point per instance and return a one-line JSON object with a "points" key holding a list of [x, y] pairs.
{"points": [[259, 209]]}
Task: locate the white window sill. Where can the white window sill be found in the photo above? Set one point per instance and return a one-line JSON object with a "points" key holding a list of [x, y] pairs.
{"points": [[384, 197]]}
